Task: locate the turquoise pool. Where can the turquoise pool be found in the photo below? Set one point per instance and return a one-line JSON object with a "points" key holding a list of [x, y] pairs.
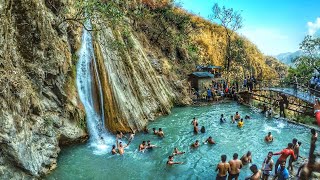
{"points": [[82, 161]]}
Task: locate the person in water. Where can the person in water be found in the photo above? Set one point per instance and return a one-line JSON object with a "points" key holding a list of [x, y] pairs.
{"points": [[170, 161], [246, 158], [264, 109], [131, 136], [196, 144], [142, 146], [160, 133], [121, 147], [223, 167], [222, 119], [155, 132], [114, 150], [267, 166], [314, 136], [119, 135], [240, 123], [296, 150], [176, 151], [284, 155], [237, 116], [256, 173], [232, 120], [247, 117], [282, 172], [195, 129], [149, 145], [203, 129], [235, 166], [269, 137], [145, 130], [209, 140], [316, 108], [194, 122]]}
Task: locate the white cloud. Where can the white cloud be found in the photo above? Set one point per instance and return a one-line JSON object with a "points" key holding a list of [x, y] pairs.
{"points": [[269, 40], [313, 27]]}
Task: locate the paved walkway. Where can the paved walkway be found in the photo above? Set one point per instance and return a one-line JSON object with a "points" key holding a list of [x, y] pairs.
{"points": [[305, 96]]}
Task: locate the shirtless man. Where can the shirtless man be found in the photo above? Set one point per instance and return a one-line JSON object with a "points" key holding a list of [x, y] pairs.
{"points": [[223, 167], [121, 147], [160, 133], [155, 132], [209, 141], [114, 150], [235, 166], [267, 166], [296, 148], [269, 137], [131, 136], [246, 158], [176, 152], [149, 145], [237, 116], [170, 161], [194, 122], [119, 135], [195, 129], [196, 144], [256, 173], [284, 155], [314, 136], [142, 146]]}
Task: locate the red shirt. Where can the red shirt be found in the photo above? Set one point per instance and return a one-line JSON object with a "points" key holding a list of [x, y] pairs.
{"points": [[284, 154]]}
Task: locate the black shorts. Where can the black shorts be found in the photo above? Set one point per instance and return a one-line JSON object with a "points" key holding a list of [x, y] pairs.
{"points": [[233, 175], [221, 177]]}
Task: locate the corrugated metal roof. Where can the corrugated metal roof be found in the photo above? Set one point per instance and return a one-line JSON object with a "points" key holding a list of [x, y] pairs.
{"points": [[202, 74]]}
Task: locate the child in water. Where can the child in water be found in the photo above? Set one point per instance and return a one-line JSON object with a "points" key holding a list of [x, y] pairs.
{"points": [[240, 123]]}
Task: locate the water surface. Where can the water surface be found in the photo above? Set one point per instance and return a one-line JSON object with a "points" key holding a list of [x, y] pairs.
{"points": [[80, 161]]}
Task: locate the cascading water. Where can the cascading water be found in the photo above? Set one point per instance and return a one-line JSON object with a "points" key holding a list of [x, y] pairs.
{"points": [[99, 137]]}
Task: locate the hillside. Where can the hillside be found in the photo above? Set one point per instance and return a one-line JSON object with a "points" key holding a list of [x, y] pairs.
{"points": [[287, 58]]}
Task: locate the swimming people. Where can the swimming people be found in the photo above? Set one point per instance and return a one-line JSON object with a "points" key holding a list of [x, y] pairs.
{"points": [[114, 150], [170, 161], [119, 135], [269, 137], [240, 123], [195, 129], [155, 132], [142, 146], [267, 166], [246, 158], [121, 147], [149, 145], [196, 144], [194, 122], [232, 120], [222, 168], [235, 166], [131, 136], [209, 140], [176, 151], [284, 155], [203, 129], [237, 116], [222, 119], [160, 133]]}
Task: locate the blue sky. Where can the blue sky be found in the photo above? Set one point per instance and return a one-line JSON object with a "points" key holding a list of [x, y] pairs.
{"points": [[275, 26]]}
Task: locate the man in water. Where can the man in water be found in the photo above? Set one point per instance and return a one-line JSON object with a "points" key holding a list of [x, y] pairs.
{"points": [[203, 129], [223, 167], [176, 151], [131, 136], [194, 122], [160, 133], [155, 132], [232, 120], [267, 166], [119, 135], [121, 147], [314, 136], [195, 129], [149, 145], [235, 166], [296, 148], [240, 123], [282, 172], [142, 146], [284, 155], [256, 173], [264, 109], [316, 108], [247, 117], [237, 116], [222, 119], [114, 150], [269, 112], [209, 140], [269, 137], [170, 161], [196, 144], [246, 158]]}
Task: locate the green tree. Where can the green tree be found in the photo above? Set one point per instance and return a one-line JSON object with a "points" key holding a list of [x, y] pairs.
{"points": [[231, 21]]}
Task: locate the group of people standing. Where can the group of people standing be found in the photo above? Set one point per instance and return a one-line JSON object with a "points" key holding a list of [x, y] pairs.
{"points": [[249, 82]]}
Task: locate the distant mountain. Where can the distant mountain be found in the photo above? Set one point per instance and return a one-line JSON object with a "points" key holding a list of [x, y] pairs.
{"points": [[288, 57]]}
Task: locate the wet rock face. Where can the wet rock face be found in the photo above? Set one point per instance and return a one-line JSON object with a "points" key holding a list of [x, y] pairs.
{"points": [[39, 106]]}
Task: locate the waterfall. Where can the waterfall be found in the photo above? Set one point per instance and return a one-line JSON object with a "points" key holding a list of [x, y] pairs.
{"points": [[100, 139]]}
